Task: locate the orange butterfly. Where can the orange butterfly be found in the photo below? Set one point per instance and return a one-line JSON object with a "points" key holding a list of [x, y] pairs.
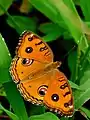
{"points": [[37, 77]]}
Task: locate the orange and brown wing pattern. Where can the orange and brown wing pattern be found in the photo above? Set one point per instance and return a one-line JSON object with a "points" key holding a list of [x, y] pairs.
{"points": [[37, 78], [31, 46], [59, 95], [22, 68], [35, 89]]}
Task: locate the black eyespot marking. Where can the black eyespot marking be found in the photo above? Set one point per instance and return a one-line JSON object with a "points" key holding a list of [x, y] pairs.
{"points": [[43, 48], [29, 49], [64, 86], [30, 38], [22, 72], [66, 105], [26, 61], [55, 97], [42, 90]]}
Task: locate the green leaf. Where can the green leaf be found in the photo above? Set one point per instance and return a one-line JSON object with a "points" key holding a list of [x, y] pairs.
{"points": [[66, 118], [4, 5], [2, 92], [5, 58], [85, 9], [84, 63], [74, 86], [45, 116], [46, 8], [10, 114], [10, 88], [72, 62], [22, 22], [52, 31], [36, 110], [85, 80], [50, 27], [5, 61], [51, 36], [85, 112], [15, 100], [82, 96], [57, 10]]}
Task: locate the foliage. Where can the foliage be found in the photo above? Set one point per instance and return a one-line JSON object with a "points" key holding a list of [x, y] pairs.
{"points": [[63, 20]]}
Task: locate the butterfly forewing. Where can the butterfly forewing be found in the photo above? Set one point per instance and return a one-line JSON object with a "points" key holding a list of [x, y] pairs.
{"points": [[31, 46], [22, 68]]}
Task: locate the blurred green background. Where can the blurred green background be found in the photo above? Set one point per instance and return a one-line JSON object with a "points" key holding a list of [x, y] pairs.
{"points": [[64, 25]]}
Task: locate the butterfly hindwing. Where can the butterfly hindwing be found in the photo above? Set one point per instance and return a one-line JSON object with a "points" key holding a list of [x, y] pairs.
{"points": [[34, 90], [59, 95]]}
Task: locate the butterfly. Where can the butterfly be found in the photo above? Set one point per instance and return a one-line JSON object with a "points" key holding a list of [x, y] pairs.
{"points": [[37, 76]]}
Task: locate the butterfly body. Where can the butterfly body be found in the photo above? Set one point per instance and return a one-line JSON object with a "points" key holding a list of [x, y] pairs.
{"points": [[37, 76]]}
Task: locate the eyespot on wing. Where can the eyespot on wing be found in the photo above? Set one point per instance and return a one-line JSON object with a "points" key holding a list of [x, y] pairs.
{"points": [[58, 99], [32, 46]]}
